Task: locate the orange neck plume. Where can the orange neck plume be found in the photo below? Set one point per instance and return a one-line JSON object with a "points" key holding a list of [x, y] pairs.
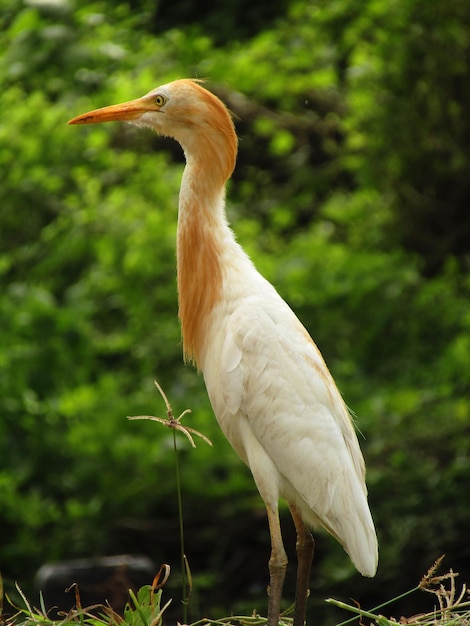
{"points": [[203, 229]]}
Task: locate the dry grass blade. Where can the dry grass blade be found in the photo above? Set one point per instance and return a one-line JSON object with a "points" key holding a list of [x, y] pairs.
{"points": [[453, 604], [161, 577]]}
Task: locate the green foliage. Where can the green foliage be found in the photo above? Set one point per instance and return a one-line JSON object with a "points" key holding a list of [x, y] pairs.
{"points": [[350, 194], [142, 609]]}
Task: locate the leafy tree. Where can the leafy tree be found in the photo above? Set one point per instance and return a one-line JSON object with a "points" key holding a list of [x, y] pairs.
{"points": [[353, 133]]}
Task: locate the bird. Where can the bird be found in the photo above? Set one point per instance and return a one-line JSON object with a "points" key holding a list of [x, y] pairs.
{"points": [[270, 389]]}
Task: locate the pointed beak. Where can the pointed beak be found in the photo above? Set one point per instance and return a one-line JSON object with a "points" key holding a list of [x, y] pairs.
{"points": [[127, 111]]}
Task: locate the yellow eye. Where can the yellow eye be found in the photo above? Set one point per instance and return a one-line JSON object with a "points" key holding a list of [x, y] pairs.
{"points": [[160, 100]]}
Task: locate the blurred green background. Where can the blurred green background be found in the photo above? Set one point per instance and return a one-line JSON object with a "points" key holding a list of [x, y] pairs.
{"points": [[352, 196]]}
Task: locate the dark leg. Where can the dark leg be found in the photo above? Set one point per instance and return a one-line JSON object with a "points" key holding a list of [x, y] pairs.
{"points": [[305, 546], [277, 567]]}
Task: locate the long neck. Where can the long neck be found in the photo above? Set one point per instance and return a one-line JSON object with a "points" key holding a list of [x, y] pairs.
{"points": [[202, 233]]}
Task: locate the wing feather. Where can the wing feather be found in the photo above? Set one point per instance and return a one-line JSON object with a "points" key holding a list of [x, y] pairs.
{"points": [[272, 378]]}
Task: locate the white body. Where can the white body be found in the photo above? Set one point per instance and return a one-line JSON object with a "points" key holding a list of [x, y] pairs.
{"points": [[279, 407]]}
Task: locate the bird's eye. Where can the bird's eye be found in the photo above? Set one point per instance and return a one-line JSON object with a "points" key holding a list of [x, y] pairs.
{"points": [[160, 100]]}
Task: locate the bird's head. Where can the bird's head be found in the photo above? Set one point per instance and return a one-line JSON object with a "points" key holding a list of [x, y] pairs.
{"points": [[184, 110]]}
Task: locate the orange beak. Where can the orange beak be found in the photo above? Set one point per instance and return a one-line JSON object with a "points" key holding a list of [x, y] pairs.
{"points": [[126, 111]]}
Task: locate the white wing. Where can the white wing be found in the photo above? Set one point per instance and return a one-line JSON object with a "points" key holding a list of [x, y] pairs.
{"points": [[279, 407]]}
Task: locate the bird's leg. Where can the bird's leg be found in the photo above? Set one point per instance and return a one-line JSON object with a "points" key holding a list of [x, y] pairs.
{"points": [[304, 546], [277, 567]]}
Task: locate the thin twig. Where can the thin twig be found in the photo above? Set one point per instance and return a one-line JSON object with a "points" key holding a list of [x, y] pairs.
{"points": [[175, 424]]}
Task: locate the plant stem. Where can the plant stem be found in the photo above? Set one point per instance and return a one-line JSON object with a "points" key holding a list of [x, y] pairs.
{"points": [[180, 517], [370, 613]]}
